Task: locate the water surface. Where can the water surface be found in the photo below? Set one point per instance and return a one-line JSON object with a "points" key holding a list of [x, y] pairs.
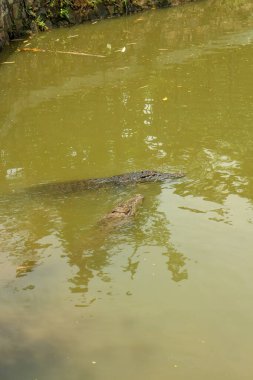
{"points": [[167, 295]]}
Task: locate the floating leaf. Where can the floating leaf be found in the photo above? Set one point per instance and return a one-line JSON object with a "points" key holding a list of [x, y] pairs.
{"points": [[14, 172], [139, 19], [122, 50]]}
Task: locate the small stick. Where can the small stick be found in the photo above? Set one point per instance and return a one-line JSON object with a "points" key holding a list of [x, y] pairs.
{"points": [[36, 50]]}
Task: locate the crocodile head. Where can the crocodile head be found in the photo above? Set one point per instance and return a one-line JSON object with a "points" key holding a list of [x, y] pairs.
{"points": [[124, 210], [154, 176]]}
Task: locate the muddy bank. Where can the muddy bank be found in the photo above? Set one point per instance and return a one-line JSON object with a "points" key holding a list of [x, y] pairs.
{"points": [[20, 17]]}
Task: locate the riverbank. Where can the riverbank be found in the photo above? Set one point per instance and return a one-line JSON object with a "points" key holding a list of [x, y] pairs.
{"points": [[21, 17]]}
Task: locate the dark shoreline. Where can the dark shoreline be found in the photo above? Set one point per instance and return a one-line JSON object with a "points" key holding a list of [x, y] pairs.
{"points": [[19, 18]]}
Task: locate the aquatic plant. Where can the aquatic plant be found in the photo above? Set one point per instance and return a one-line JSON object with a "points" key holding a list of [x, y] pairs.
{"points": [[59, 9], [41, 23]]}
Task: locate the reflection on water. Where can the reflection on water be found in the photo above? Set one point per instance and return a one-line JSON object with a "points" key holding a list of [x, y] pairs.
{"points": [[166, 295], [42, 225]]}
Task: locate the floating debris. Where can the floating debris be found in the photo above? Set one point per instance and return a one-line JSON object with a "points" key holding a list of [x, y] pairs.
{"points": [[17, 39], [123, 68], [78, 53], [122, 50], [37, 50], [139, 19], [34, 50], [14, 172], [29, 287]]}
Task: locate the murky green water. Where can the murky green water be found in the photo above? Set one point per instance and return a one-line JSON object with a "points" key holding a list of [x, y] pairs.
{"points": [[167, 296]]}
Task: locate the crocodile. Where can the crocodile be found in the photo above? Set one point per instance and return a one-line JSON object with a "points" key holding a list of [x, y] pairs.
{"points": [[123, 212], [96, 183]]}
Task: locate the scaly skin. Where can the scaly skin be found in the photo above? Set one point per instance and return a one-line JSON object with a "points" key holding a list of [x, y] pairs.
{"points": [[117, 180], [122, 213], [125, 209]]}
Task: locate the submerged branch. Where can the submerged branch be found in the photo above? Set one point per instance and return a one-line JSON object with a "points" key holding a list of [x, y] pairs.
{"points": [[37, 50]]}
